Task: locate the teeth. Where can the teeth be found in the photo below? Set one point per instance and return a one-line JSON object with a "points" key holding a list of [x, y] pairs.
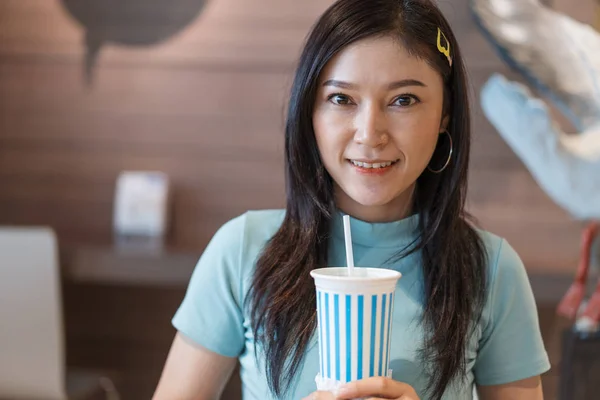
{"points": [[374, 165]]}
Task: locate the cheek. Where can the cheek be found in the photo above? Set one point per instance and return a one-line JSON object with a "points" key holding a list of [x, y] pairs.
{"points": [[330, 133], [417, 138], [423, 144]]}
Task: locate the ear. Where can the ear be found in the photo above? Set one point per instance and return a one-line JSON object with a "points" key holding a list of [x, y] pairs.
{"points": [[444, 124]]}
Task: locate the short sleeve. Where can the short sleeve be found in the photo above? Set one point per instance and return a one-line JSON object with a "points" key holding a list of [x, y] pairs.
{"points": [[211, 312], [511, 346]]}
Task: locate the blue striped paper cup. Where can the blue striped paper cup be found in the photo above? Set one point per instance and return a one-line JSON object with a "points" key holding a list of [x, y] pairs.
{"points": [[354, 315]]}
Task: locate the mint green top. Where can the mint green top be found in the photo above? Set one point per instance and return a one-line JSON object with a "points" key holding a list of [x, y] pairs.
{"points": [[507, 345]]}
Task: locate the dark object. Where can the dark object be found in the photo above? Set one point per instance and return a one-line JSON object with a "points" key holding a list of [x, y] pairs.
{"points": [[580, 366], [129, 22]]}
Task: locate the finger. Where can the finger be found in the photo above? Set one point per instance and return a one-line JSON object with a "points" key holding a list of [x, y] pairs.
{"points": [[377, 386], [320, 396]]}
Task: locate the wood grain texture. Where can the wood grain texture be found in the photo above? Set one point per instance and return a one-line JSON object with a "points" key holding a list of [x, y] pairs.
{"points": [[206, 107]]}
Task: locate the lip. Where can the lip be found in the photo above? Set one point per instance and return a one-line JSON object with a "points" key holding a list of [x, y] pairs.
{"points": [[371, 171], [370, 161]]}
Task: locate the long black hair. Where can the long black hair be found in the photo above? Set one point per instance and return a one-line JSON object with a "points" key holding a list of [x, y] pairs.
{"points": [[282, 293]]}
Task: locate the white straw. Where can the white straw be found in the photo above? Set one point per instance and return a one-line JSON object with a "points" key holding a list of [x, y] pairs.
{"points": [[348, 238]]}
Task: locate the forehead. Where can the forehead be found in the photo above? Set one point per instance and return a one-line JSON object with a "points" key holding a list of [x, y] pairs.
{"points": [[379, 59]]}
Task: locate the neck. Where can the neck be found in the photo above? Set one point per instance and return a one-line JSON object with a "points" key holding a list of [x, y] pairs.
{"points": [[397, 209]]}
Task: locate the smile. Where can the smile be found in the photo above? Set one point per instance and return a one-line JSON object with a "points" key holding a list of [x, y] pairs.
{"points": [[375, 165]]}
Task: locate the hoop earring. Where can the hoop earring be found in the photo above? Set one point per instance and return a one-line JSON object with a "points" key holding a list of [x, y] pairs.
{"points": [[437, 171]]}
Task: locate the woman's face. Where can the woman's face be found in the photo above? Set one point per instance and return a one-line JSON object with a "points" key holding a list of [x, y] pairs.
{"points": [[377, 117]]}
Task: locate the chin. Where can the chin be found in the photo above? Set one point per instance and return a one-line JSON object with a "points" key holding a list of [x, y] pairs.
{"points": [[370, 196], [372, 199]]}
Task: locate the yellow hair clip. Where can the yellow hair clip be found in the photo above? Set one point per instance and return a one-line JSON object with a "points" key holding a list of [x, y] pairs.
{"points": [[444, 50]]}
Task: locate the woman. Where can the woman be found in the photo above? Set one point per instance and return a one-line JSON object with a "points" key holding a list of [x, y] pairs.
{"points": [[378, 127]]}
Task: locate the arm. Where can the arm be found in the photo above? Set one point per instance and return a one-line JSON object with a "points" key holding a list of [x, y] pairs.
{"points": [[209, 322], [193, 372], [525, 389]]}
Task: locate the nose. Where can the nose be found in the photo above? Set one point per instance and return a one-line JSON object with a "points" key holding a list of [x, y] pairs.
{"points": [[371, 127]]}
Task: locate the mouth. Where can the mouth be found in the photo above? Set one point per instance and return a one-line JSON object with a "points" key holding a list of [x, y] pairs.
{"points": [[374, 167]]}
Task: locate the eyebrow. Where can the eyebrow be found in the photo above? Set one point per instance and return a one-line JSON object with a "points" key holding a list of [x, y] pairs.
{"points": [[392, 86]]}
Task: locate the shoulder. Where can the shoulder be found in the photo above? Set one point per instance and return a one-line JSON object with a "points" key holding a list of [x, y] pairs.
{"points": [[230, 256], [263, 224], [247, 234], [509, 316], [251, 228], [216, 293], [502, 259], [507, 276]]}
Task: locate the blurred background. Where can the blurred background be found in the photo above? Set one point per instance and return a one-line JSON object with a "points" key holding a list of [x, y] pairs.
{"points": [[196, 90]]}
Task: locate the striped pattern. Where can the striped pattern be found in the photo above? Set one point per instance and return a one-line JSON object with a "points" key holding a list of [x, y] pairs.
{"points": [[354, 332]]}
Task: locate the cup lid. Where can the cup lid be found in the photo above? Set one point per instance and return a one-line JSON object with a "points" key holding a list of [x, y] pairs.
{"points": [[358, 274]]}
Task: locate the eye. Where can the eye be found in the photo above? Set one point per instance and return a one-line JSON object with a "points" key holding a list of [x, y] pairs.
{"points": [[405, 100], [339, 99]]}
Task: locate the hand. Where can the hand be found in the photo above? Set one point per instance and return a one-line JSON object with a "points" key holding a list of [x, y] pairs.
{"points": [[320, 396], [377, 389], [381, 388]]}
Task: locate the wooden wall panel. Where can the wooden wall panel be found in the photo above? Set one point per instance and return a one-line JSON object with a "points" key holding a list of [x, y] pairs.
{"points": [[205, 106]]}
